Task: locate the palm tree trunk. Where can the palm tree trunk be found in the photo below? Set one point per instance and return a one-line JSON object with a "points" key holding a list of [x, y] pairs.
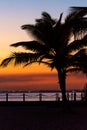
{"points": [[62, 82]]}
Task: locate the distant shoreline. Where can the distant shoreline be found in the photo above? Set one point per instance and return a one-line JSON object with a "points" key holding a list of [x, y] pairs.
{"points": [[37, 91]]}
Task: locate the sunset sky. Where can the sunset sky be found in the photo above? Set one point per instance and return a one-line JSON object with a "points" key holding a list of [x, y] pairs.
{"points": [[13, 14]]}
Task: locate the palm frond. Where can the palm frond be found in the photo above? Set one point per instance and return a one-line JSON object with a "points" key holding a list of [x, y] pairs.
{"points": [[21, 58], [18, 58], [34, 46], [43, 29], [76, 20], [80, 53], [73, 69], [76, 45], [42, 32], [48, 18], [7, 61], [47, 56], [28, 27], [36, 33], [58, 23], [77, 69], [49, 63], [82, 11], [77, 60]]}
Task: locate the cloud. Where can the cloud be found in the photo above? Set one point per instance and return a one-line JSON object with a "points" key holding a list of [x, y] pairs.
{"points": [[25, 77], [28, 81], [48, 81]]}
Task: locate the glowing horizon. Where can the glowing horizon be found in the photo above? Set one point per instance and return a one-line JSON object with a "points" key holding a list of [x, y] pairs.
{"points": [[43, 81]]}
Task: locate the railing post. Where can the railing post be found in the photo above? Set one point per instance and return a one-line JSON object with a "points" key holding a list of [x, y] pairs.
{"points": [[57, 97], [40, 96], [71, 96], [68, 96], [74, 95], [6, 97], [23, 97], [82, 96]]}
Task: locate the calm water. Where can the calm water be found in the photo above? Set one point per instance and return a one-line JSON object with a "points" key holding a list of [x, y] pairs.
{"points": [[35, 96]]}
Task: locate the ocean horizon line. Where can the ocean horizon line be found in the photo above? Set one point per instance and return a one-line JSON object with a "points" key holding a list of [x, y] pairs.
{"points": [[38, 91]]}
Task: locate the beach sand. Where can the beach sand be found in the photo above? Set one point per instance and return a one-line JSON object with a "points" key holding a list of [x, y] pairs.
{"points": [[42, 116]]}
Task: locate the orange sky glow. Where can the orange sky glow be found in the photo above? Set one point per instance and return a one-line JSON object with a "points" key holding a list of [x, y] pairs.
{"points": [[13, 14], [31, 81]]}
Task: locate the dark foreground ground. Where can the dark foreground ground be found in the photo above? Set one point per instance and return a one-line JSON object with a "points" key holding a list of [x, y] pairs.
{"points": [[42, 116]]}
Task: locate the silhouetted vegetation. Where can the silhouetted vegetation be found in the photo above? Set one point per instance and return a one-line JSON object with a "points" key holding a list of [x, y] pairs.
{"points": [[57, 44]]}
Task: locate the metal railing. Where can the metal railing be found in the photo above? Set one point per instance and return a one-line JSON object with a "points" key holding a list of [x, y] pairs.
{"points": [[42, 96]]}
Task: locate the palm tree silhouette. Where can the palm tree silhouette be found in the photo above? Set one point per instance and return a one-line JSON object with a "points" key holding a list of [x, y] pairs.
{"points": [[52, 45]]}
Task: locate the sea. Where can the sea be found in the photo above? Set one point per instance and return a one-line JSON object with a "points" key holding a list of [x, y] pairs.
{"points": [[40, 96]]}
